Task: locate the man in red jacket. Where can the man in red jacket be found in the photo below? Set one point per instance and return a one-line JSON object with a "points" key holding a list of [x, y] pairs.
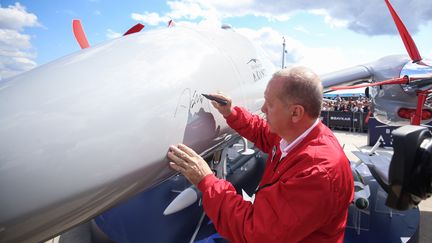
{"points": [[307, 185]]}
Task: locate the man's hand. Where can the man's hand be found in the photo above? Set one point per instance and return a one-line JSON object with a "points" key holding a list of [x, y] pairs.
{"points": [[188, 162], [225, 110]]}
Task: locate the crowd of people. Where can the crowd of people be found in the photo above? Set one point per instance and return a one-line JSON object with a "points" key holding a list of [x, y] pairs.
{"points": [[346, 104]]}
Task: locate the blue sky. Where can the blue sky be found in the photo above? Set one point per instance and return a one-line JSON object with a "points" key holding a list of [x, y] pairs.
{"points": [[325, 35]]}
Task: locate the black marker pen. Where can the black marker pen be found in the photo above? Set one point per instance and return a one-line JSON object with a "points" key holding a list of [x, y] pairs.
{"points": [[218, 100]]}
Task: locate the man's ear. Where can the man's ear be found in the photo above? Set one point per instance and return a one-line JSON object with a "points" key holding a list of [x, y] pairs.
{"points": [[298, 113]]}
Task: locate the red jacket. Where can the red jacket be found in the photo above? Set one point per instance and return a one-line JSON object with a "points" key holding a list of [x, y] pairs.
{"points": [[302, 198]]}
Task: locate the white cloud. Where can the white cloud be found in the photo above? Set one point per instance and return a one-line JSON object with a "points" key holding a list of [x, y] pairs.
{"points": [[328, 19], [16, 17], [323, 60], [149, 18], [188, 9], [269, 39], [297, 53], [186, 13], [112, 34], [15, 47], [358, 15], [211, 13], [302, 29], [229, 4], [193, 9], [12, 39], [13, 62]]}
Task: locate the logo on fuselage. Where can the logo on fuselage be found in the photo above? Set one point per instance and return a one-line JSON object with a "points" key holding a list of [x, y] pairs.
{"points": [[257, 70], [254, 60]]}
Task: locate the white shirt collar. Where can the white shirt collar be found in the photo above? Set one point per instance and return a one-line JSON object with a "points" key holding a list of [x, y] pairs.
{"points": [[285, 147]]}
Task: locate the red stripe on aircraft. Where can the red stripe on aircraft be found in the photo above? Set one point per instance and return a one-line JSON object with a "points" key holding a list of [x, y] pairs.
{"points": [[79, 34], [136, 28], [403, 80]]}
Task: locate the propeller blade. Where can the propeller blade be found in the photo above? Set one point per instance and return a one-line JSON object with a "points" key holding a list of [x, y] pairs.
{"points": [[409, 43], [403, 80], [79, 34], [136, 28]]}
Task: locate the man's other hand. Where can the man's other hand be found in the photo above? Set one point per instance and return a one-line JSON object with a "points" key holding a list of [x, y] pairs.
{"points": [[188, 162]]}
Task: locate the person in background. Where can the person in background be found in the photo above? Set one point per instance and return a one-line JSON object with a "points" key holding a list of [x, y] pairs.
{"points": [[307, 185]]}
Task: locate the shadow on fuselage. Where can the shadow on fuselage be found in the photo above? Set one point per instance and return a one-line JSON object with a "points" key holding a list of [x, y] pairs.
{"points": [[200, 130]]}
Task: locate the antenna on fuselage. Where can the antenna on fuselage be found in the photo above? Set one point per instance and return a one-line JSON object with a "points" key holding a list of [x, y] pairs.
{"points": [[283, 52], [226, 27]]}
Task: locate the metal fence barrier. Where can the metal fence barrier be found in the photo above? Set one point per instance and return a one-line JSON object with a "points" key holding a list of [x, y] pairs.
{"points": [[352, 121]]}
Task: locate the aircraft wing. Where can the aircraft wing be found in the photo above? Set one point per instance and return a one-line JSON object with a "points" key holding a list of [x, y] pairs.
{"points": [[346, 76], [378, 164], [382, 69]]}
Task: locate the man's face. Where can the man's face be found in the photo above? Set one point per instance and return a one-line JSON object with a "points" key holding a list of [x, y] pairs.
{"points": [[276, 111]]}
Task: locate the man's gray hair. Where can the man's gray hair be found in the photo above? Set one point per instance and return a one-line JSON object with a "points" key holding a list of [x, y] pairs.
{"points": [[303, 87]]}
